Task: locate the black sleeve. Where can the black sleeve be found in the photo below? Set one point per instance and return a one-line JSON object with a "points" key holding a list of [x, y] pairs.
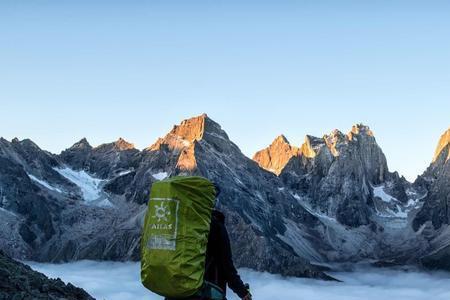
{"points": [[233, 279]]}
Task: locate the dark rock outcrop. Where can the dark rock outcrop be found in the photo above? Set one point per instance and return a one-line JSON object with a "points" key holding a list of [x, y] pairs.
{"points": [[19, 281], [433, 220], [336, 173], [104, 161]]}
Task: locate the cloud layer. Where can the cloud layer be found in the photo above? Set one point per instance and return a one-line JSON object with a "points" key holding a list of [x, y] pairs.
{"points": [[121, 281]]}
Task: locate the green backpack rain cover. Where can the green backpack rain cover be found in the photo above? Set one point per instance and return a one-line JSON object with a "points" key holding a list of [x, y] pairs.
{"points": [[175, 236]]}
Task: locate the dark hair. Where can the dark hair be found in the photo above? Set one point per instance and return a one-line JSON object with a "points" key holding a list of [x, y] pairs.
{"points": [[217, 188]]}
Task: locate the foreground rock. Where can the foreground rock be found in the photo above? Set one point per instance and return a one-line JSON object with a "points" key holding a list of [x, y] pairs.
{"points": [[19, 281]]}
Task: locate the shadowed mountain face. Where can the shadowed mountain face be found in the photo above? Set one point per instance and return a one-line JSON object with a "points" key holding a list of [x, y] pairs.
{"points": [[433, 219], [337, 173], [436, 181], [105, 160], [331, 199]]}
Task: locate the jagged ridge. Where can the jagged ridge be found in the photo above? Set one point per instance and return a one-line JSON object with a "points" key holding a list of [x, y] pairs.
{"points": [[334, 198]]}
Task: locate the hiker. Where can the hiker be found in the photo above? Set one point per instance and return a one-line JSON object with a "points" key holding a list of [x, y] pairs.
{"points": [[220, 269], [185, 248]]}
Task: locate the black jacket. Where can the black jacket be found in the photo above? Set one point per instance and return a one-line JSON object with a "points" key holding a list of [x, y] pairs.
{"points": [[220, 269]]}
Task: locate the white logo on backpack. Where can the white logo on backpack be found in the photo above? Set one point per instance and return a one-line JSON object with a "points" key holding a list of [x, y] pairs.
{"points": [[161, 212], [164, 229]]}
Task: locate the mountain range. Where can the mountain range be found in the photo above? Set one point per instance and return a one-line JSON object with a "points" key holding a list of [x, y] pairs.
{"points": [[290, 210]]}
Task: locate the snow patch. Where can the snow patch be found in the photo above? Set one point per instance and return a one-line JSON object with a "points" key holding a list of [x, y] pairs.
{"points": [[391, 207], [105, 203], [216, 135], [90, 186], [305, 205], [125, 172], [8, 212], [185, 143], [378, 191], [160, 175], [44, 183], [399, 213]]}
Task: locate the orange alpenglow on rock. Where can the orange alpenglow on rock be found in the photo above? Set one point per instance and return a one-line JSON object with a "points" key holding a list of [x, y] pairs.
{"points": [[360, 128], [122, 144], [310, 146], [183, 135], [184, 138], [333, 139], [187, 160], [443, 145], [275, 157]]}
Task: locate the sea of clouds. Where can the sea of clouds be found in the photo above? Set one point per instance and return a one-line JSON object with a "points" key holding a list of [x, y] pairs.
{"points": [[121, 281]]}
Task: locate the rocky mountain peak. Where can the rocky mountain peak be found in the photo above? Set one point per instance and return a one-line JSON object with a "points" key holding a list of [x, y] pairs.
{"points": [[275, 157], [333, 139], [196, 128], [30, 150], [81, 144], [281, 139], [122, 145], [190, 130], [27, 143], [77, 154], [335, 136], [360, 129], [311, 145], [443, 146]]}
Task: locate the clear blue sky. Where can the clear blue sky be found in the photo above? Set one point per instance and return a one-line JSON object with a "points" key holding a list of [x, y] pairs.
{"points": [[104, 69]]}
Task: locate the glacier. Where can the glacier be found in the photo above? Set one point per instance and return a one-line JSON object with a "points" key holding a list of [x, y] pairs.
{"points": [[89, 186]]}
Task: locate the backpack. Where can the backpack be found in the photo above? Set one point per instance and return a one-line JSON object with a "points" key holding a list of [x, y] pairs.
{"points": [[175, 236]]}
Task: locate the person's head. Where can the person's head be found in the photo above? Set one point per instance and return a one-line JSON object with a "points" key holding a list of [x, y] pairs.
{"points": [[217, 188], [218, 215]]}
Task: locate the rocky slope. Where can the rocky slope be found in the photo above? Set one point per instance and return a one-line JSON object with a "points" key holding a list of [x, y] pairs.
{"points": [[18, 281], [337, 172], [331, 199], [436, 181], [50, 211], [343, 179]]}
